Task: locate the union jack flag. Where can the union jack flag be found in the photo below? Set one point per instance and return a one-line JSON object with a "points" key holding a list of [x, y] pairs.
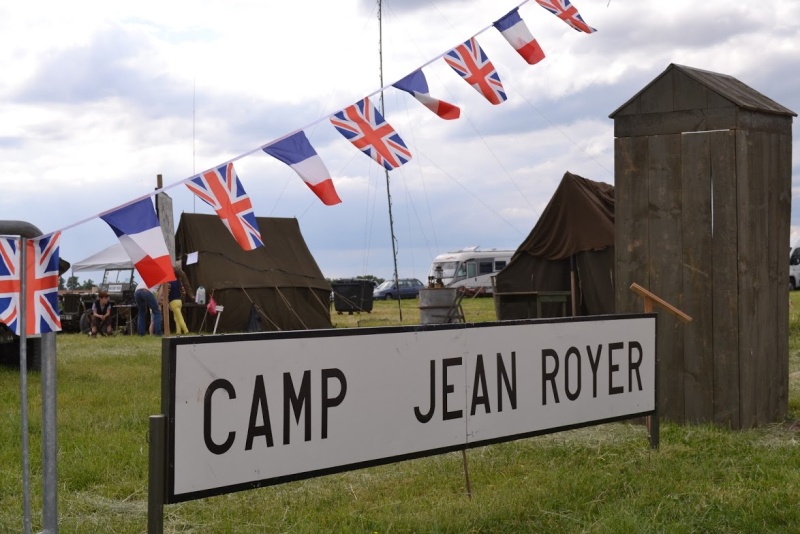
{"points": [[221, 189], [564, 10], [471, 63], [41, 284], [369, 132]]}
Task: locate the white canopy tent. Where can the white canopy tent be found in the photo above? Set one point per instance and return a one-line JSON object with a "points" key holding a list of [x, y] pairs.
{"points": [[113, 257]]}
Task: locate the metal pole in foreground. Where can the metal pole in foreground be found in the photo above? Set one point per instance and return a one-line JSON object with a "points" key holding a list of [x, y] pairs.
{"points": [[49, 436], [23, 379], [156, 484]]}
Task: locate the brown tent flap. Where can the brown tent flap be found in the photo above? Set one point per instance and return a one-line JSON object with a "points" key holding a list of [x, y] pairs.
{"points": [[275, 287], [575, 232]]}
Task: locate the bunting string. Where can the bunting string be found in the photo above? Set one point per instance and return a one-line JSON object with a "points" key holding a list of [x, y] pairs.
{"points": [[306, 162]]}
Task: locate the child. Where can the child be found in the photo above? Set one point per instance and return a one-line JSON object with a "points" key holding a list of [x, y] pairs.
{"points": [[101, 315]]}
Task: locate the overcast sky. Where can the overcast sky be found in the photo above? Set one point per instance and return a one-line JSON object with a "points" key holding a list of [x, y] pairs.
{"points": [[97, 98]]}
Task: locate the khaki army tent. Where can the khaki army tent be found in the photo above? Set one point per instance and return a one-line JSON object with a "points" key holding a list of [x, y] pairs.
{"points": [[571, 249], [275, 287]]}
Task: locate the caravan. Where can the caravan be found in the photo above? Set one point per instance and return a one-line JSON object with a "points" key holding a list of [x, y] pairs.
{"points": [[471, 268], [794, 268]]}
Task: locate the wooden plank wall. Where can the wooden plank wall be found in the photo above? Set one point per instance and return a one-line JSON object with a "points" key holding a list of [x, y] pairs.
{"points": [[754, 294], [725, 298], [631, 221], [698, 276], [665, 244], [773, 361], [782, 191]]}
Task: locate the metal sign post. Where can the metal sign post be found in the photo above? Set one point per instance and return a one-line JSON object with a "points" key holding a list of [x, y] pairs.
{"points": [[49, 436], [23, 380]]}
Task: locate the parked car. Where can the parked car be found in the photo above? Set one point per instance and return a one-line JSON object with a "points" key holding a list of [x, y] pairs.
{"points": [[409, 289]]}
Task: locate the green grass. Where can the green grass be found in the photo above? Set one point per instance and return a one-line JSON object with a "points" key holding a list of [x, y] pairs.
{"points": [[593, 480]]}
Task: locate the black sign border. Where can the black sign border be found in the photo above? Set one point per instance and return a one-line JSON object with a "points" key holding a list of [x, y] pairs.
{"points": [[168, 383]]}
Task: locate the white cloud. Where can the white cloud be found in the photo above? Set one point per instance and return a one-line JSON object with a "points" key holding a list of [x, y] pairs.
{"points": [[98, 98]]}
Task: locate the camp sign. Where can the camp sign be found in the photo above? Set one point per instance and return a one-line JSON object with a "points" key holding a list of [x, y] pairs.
{"points": [[252, 410]]}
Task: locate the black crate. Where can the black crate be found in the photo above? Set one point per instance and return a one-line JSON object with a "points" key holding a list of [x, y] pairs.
{"points": [[352, 295]]}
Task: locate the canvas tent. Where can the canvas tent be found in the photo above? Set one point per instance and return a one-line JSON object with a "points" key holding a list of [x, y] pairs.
{"points": [[573, 237], [275, 287], [113, 257]]}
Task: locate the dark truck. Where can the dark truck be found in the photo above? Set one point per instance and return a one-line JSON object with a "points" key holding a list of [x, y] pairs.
{"points": [[9, 342]]}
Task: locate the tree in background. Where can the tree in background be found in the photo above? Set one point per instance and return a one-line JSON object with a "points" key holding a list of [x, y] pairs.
{"points": [[88, 284], [61, 282], [72, 283]]}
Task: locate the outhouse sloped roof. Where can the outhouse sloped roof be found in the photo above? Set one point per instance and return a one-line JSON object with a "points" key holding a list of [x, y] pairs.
{"points": [[726, 86]]}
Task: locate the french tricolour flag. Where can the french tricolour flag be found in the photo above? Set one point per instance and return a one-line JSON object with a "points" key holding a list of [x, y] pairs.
{"points": [[297, 153], [513, 28], [137, 228], [416, 85]]}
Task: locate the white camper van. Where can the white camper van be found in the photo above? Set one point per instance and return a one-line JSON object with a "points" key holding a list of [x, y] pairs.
{"points": [[471, 268], [794, 268]]}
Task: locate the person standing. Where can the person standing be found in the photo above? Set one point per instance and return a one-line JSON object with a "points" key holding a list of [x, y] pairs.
{"points": [[173, 292], [101, 315], [146, 300]]}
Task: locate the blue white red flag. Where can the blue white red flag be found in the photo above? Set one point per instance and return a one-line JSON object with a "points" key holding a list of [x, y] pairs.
{"points": [[41, 284], [564, 10], [137, 227], [516, 32], [369, 132], [471, 63], [221, 189], [416, 85], [296, 151]]}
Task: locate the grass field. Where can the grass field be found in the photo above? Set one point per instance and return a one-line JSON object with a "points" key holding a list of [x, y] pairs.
{"points": [[597, 480]]}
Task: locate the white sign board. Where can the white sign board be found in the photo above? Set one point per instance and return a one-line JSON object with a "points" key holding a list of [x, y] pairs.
{"points": [[257, 409]]}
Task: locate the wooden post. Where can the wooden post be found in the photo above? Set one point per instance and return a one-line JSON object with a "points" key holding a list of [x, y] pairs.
{"points": [[652, 422], [165, 306], [466, 472]]}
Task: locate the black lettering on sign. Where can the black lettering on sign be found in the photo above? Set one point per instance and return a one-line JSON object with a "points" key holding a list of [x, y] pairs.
{"points": [[633, 366], [594, 363], [506, 386], [572, 368], [259, 404], [549, 376], [572, 395], [424, 418], [296, 402], [328, 402], [479, 395], [502, 378], [448, 388], [211, 445], [613, 368]]}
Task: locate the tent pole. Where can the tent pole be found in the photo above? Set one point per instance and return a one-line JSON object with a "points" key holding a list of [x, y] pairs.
{"points": [[388, 190], [572, 283]]}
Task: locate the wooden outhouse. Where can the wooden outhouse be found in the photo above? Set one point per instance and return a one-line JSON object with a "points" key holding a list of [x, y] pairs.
{"points": [[703, 168]]}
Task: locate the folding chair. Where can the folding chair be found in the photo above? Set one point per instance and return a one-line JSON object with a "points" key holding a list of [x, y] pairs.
{"points": [[219, 309]]}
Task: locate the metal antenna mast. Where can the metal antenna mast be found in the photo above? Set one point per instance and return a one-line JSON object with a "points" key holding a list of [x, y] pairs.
{"points": [[388, 190]]}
